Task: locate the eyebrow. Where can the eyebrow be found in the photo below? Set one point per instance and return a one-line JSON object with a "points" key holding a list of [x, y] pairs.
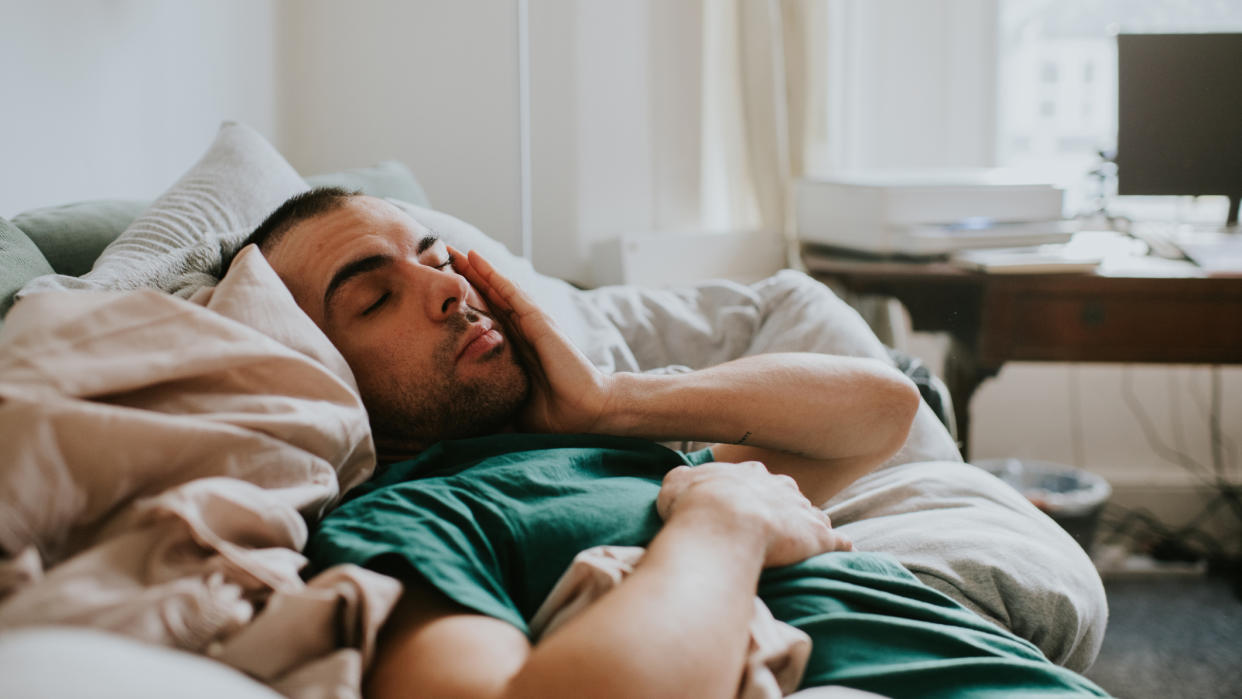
{"points": [[351, 270], [367, 264], [426, 242]]}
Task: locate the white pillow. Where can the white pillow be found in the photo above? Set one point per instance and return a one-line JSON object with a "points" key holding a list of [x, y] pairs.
{"points": [[178, 244]]}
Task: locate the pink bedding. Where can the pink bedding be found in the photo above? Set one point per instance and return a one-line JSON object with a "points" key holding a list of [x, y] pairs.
{"points": [[161, 461]]}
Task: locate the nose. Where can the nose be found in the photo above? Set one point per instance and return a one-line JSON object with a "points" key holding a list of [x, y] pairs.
{"points": [[447, 291]]}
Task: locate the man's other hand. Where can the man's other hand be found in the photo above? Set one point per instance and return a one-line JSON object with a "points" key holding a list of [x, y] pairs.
{"points": [[745, 496], [568, 394]]}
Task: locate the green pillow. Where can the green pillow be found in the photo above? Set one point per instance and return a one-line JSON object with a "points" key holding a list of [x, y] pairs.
{"points": [[20, 261], [387, 180], [72, 236]]}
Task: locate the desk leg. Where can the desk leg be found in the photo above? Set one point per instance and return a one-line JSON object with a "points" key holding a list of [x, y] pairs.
{"points": [[962, 374]]}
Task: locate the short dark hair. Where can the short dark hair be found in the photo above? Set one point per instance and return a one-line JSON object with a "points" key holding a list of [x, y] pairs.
{"points": [[295, 210]]}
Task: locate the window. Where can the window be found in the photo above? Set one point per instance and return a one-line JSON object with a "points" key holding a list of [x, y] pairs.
{"points": [[1057, 78]]}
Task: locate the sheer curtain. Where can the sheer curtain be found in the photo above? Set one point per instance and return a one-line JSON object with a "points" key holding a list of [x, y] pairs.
{"points": [[765, 123], [764, 101]]}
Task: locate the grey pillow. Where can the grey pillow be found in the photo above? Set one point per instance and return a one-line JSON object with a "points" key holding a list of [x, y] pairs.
{"points": [[72, 236], [179, 243], [20, 261]]}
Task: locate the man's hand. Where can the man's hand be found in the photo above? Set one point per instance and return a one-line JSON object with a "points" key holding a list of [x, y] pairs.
{"points": [[568, 394], [768, 507]]}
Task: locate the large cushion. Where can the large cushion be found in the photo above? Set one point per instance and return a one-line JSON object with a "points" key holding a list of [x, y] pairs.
{"points": [[20, 261]]}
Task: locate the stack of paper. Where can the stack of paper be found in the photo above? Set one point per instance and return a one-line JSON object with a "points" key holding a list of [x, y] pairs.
{"points": [[1026, 260]]}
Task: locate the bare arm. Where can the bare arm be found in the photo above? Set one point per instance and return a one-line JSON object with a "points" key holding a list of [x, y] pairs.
{"points": [[826, 420], [844, 413], [676, 627]]}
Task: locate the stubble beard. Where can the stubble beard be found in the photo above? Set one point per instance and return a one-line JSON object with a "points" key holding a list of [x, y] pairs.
{"points": [[445, 405]]}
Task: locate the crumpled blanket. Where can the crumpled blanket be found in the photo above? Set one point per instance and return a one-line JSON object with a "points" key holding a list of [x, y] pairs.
{"points": [[162, 459], [775, 659]]}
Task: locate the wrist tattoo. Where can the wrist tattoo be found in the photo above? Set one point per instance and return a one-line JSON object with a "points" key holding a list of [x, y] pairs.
{"points": [[744, 438]]}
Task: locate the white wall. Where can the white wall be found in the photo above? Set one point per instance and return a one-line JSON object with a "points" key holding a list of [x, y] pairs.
{"points": [[116, 99], [432, 83], [615, 124]]}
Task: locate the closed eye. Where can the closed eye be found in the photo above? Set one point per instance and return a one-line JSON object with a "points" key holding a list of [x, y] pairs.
{"points": [[447, 263], [378, 302]]}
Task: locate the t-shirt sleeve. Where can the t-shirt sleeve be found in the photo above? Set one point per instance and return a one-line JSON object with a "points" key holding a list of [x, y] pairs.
{"points": [[413, 535]]}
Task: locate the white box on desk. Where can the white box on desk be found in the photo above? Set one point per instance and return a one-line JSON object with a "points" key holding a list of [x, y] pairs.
{"points": [[917, 211]]}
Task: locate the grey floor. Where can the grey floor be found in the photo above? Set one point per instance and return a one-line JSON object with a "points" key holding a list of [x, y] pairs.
{"points": [[1171, 637]]}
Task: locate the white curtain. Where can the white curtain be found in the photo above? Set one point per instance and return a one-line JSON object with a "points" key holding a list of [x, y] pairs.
{"points": [[764, 102]]}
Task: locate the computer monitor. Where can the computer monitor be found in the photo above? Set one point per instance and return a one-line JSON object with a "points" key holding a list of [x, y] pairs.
{"points": [[1179, 115]]}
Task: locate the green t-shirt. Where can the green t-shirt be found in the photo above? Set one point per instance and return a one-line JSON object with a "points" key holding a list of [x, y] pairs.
{"points": [[494, 522]]}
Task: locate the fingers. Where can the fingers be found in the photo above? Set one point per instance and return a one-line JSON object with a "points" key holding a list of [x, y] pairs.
{"points": [[797, 529], [674, 483], [499, 289], [462, 265]]}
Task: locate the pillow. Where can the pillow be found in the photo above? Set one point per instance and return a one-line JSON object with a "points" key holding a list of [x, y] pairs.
{"points": [[387, 179], [20, 261], [72, 236], [967, 534], [179, 243]]}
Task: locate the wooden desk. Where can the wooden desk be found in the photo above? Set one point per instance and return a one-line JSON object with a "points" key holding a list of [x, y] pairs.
{"points": [[1078, 317]]}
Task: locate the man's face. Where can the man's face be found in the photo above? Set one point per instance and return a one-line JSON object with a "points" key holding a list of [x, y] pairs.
{"points": [[430, 360]]}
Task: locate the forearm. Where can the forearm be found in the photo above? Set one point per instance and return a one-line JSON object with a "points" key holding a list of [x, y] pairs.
{"points": [[675, 627], [812, 405]]}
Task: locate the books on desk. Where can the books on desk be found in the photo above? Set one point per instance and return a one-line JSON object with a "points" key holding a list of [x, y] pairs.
{"points": [[1038, 259]]}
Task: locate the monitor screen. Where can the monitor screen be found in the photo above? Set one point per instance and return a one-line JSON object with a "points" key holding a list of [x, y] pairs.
{"points": [[1179, 115]]}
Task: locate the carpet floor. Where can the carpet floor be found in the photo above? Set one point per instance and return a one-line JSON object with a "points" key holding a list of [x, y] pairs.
{"points": [[1171, 638]]}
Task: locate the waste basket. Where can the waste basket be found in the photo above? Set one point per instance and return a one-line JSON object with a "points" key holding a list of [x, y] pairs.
{"points": [[1072, 497]]}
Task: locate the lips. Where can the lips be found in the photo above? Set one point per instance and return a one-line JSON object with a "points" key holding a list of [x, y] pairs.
{"points": [[480, 338]]}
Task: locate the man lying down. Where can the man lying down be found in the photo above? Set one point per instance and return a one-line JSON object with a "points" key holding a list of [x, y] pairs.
{"points": [[507, 453]]}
